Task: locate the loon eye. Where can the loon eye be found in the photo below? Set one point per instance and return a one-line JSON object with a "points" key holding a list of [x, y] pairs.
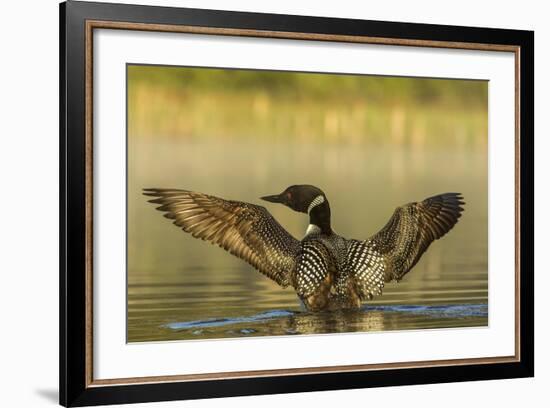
{"points": [[289, 195]]}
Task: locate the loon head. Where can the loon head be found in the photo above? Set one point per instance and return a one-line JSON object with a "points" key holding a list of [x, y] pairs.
{"points": [[302, 198]]}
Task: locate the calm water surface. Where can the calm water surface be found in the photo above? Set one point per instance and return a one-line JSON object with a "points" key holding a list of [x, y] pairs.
{"points": [[182, 288]]}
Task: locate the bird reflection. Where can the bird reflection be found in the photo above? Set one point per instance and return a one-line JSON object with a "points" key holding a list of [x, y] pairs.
{"points": [[340, 321], [281, 322]]}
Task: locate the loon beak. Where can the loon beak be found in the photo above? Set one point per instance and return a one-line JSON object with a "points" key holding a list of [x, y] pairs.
{"points": [[273, 198]]}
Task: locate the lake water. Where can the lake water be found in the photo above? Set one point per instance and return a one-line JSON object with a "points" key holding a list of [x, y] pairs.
{"points": [[182, 288]]}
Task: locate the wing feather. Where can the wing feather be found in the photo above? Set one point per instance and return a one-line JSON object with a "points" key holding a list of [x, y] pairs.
{"points": [[245, 230], [413, 227], [397, 247]]}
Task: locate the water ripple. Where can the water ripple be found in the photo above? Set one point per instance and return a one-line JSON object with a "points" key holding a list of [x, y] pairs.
{"points": [[218, 322], [434, 311], [468, 310]]}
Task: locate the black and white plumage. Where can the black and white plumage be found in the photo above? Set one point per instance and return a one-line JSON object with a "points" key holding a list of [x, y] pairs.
{"points": [[326, 270]]}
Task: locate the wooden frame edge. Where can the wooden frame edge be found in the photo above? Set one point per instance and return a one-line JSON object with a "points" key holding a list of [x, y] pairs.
{"points": [[231, 375], [289, 35], [89, 206]]}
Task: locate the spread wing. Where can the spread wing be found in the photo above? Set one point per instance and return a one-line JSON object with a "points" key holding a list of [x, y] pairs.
{"points": [[247, 231], [396, 248]]}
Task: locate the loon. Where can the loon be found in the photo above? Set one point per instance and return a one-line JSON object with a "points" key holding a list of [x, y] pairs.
{"points": [[327, 271]]}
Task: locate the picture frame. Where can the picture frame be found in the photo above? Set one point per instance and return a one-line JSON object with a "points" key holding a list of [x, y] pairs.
{"points": [[79, 21]]}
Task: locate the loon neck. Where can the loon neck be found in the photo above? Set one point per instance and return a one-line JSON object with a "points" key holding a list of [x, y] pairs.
{"points": [[320, 217]]}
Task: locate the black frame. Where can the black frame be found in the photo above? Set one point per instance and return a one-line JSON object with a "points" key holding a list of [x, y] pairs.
{"points": [[73, 390]]}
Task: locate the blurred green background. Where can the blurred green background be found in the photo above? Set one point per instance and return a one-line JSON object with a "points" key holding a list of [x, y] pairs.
{"points": [[371, 143]]}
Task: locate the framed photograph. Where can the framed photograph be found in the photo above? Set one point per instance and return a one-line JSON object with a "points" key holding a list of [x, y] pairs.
{"points": [[256, 204]]}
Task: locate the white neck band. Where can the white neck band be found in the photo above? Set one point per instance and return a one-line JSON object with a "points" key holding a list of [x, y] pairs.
{"points": [[318, 200]]}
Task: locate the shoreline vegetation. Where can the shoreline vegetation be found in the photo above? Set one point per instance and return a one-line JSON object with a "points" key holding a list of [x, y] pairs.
{"points": [[275, 106]]}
